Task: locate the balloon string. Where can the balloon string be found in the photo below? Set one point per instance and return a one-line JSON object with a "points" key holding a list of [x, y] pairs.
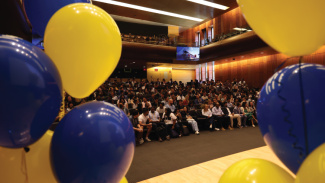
{"points": [[295, 144], [277, 69], [302, 96], [24, 165]]}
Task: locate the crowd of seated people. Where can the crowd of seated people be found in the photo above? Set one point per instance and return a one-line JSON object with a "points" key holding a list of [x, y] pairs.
{"points": [[158, 40], [163, 110]]}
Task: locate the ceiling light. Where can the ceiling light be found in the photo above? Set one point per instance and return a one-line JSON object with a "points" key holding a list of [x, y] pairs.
{"points": [[132, 6], [211, 4], [240, 29]]}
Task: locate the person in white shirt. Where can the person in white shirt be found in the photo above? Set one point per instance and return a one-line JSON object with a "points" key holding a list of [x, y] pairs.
{"points": [[220, 116], [207, 113], [144, 121], [171, 122], [205, 97], [145, 103], [161, 108], [155, 120], [180, 97]]}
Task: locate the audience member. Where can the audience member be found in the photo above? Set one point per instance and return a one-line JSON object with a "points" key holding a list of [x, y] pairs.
{"points": [[207, 113], [188, 98]]}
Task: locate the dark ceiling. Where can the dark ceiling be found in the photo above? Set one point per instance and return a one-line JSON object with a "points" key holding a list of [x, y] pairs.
{"points": [[175, 6]]}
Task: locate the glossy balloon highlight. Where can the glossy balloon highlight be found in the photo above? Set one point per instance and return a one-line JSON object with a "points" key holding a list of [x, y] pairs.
{"points": [[291, 95], [255, 171], [282, 25], [31, 92], [94, 142], [313, 168], [85, 44], [39, 12]]}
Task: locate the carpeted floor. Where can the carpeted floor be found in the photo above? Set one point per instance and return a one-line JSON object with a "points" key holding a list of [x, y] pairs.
{"points": [[155, 158]]}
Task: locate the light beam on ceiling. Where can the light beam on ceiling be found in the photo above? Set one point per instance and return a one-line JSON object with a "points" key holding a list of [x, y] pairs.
{"points": [[151, 10], [210, 4]]}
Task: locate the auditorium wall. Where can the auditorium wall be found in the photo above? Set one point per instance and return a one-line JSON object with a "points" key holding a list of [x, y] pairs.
{"points": [[168, 72], [154, 73], [222, 24], [256, 71], [183, 75]]}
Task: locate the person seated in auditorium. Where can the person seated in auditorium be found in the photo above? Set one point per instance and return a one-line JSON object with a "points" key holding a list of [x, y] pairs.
{"points": [[180, 105], [231, 115], [198, 100], [138, 129], [166, 100], [186, 101], [161, 109], [144, 121], [229, 103], [114, 97], [219, 116], [210, 104], [191, 106], [123, 101], [171, 122], [190, 120], [207, 113], [180, 97], [123, 108], [145, 103], [155, 120], [249, 111], [70, 107], [242, 101], [170, 105], [155, 102], [204, 96], [238, 110]]}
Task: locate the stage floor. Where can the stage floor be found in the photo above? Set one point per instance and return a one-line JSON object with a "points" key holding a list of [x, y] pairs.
{"points": [[211, 171]]}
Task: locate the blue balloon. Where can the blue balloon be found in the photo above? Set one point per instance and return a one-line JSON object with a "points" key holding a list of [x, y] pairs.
{"points": [[289, 112], [31, 92], [39, 12], [94, 142]]}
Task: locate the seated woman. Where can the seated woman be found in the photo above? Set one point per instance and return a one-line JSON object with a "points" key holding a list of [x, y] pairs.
{"points": [[190, 120], [249, 111], [171, 122], [207, 113]]}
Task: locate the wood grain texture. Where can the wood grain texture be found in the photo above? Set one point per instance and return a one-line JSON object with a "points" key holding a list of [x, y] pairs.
{"points": [[255, 68], [211, 171], [222, 24]]}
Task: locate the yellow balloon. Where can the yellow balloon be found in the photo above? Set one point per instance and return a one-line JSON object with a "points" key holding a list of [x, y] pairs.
{"points": [[34, 166], [12, 166], [255, 171], [85, 44], [292, 27], [312, 169], [38, 160], [124, 180]]}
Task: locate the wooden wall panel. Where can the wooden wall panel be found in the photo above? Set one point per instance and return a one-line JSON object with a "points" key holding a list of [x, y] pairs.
{"points": [[222, 25], [256, 71]]}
